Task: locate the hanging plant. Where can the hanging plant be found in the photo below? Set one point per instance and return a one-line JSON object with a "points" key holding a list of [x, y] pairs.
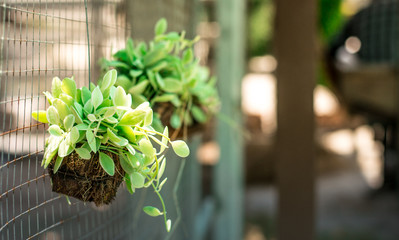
{"points": [[97, 140], [165, 73]]}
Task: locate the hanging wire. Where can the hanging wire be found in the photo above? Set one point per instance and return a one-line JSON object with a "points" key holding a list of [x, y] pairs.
{"points": [[88, 41]]}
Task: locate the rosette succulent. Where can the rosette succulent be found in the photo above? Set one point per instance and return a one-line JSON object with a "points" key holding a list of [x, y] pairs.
{"points": [[163, 72]]}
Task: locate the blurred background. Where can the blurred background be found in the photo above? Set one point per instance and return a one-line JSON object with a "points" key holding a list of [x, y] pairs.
{"points": [[306, 143]]}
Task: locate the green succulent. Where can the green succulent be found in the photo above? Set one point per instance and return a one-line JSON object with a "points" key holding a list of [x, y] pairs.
{"points": [[166, 71], [101, 118]]}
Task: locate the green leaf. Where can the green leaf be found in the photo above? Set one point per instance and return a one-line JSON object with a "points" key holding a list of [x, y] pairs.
{"points": [[188, 56], [129, 183], [82, 126], [163, 98], [68, 86], [164, 139], [126, 165], [49, 97], [55, 130], [175, 121], [135, 73], [112, 136], [123, 82], [198, 114], [138, 99], [107, 164], [86, 95], [109, 80], [74, 135], [130, 49], [161, 169], [123, 142], [161, 184], [180, 147], [96, 97], [62, 108], [79, 96], [79, 109], [118, 64], [135, 160], [128, 132], [56, 87], [159, 80], [63, 149], [172, 85], [83, 153], [57, 164], [139, 88], [69, 121], [91, 140], [40, 116], [67, 99], [53, 116], [146, 147], [98, 144], [111, 120], [137, 180], [132, 118], [130, 148], [161, 26], [148, 118], [91, 117], [88, 107], [152, 211], [155, 55], [120, 97], [110, 111]]}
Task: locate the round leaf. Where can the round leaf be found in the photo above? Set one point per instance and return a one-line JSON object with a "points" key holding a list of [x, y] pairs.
{"points": [[55, 130], [137, 180], [126, 165], [180, 147], [146, 147], [53, 116]]}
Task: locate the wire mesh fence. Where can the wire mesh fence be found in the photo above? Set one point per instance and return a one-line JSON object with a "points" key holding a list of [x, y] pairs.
{"points": [[41, 39]]}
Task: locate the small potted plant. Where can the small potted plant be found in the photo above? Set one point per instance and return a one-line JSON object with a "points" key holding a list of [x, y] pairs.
{"points": [[165, 73], [97, 140]]}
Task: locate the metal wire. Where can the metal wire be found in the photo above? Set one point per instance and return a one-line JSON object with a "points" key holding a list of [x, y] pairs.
{"points": [[41, 39]]}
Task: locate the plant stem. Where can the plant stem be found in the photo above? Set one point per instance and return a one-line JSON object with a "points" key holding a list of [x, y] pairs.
{"points": [[163, 205]]}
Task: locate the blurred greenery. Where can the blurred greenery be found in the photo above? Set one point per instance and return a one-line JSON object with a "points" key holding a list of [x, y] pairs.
{"points": [[330, 19], [260, 27]]}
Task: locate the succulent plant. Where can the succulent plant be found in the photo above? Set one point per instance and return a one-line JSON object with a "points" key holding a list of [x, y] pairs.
{"points": [[166, 71], [100, 120]]}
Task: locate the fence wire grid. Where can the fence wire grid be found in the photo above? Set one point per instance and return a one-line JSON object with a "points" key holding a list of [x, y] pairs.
{"points": [[41, 39]]}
